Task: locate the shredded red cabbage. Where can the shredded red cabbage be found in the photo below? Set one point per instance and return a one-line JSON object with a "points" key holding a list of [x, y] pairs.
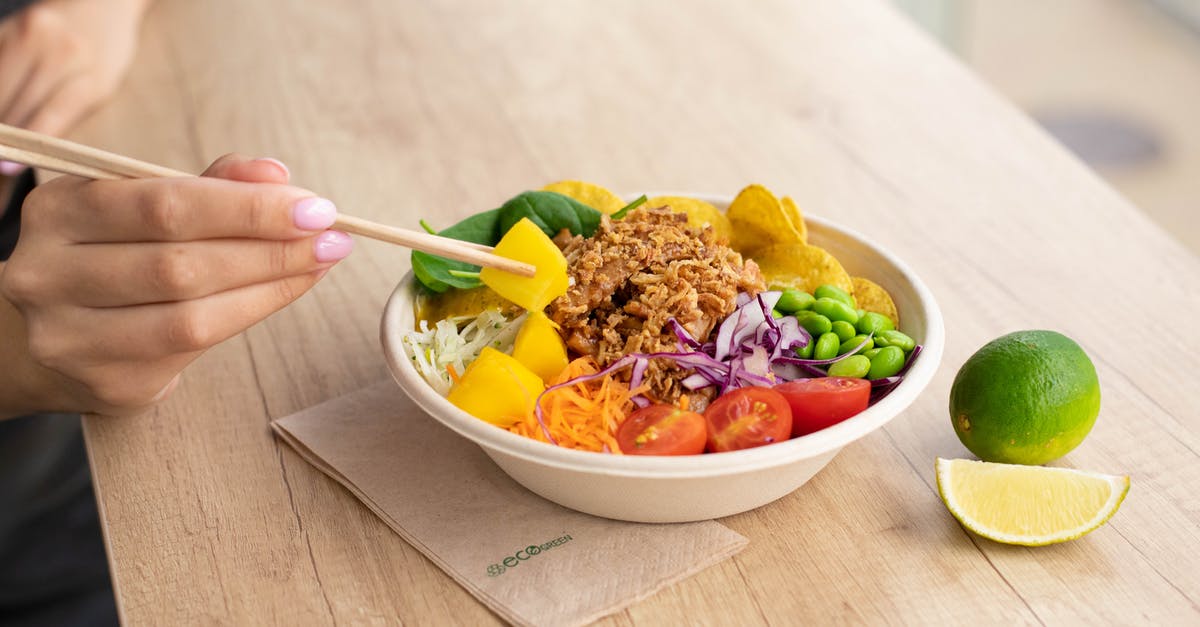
{"points": [[752, 348]]}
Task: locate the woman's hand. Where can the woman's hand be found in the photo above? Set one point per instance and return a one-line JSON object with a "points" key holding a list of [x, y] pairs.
{"points": [[60, 58], [120, 284]]}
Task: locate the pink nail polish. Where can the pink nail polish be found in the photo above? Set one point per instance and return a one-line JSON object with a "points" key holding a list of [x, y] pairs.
{"points": [[287, 174], [10, 168], [313, 214], [332, 246]]}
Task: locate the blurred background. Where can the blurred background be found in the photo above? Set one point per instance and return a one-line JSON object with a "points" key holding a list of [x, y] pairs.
{"points": [[1116, 81]]}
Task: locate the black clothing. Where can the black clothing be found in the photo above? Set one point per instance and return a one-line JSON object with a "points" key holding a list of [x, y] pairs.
{"points": [[53, 569]]}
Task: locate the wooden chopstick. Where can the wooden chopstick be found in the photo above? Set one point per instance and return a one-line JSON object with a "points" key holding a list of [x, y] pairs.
{"points": [[67, 157]]}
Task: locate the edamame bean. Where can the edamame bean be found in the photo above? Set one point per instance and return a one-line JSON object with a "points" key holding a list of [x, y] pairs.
{"points": [[855, 366], [887, 362], [827, 346], [872, 322], [806, 351], [836, 293], [835, 310], [849, 345], [844, 330], [871, 353], [794, 300], [776, 314], [895, 338], [813, 322]]}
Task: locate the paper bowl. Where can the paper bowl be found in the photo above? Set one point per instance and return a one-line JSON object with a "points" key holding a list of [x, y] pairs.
{"points": [[698, 487]]}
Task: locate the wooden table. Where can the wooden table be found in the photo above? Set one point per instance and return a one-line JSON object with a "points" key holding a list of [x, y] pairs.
{"points": [[437, 110]]}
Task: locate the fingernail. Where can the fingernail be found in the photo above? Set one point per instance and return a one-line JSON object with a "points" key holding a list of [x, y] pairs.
{"points": [[11, 168], [313, 214], [287, 174], [332, 246]]}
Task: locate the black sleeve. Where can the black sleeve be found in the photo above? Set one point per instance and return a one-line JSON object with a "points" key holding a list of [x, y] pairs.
{"points": [[10, 220], [8, 7]]}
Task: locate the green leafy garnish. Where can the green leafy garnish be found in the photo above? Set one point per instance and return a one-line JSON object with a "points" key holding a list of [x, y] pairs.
{"points": [[550, 211], [638, 202]]}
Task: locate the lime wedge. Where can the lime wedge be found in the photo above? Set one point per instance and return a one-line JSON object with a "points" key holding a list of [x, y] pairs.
{"points": [[1028, 505]]}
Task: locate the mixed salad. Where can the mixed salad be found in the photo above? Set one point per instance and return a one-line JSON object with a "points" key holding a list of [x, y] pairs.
{"points": [[658, 327]]}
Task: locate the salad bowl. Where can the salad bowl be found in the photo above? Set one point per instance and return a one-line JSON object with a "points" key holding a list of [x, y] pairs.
{"points": [[696, 487]]}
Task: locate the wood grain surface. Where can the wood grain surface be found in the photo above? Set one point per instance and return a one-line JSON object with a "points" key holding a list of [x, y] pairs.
{"points": [[398, 111]]}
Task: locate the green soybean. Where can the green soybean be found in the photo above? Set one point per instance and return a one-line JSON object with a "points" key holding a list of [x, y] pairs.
{"points": [[776, 314], [794, 300], [887, 362], [836, 293], [871, 353], [872, 322], [844, 330], [849, 345], [806, 351], [827, 346], [855, 366], [895, 338], [835, 310], [813, 322]]}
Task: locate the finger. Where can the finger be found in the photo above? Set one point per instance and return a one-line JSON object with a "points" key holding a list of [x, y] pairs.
{"points": [[15, 66], [241, 168], [62, 108], [161, 330], [44, 78], [188, 209], [119, 275]]}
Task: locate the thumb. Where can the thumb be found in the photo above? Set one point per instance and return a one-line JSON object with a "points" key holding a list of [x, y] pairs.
{"points": [[237, 167]]}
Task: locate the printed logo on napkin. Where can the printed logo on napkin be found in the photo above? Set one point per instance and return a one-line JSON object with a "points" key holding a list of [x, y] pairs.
{"points": [[514, 560]]}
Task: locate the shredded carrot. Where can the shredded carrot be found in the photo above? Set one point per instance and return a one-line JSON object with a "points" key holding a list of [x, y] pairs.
{"points": [[583, 416], [684, 402], [452, 372]]}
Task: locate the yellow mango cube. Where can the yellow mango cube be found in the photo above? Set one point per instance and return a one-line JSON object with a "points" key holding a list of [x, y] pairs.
{"points": [[496, 388], [539, 347], [526, 242]]}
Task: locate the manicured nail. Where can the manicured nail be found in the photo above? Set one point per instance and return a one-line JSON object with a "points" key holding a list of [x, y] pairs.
{"points": [[332, 246], [287, 174], [313, 214], [11, 168]]}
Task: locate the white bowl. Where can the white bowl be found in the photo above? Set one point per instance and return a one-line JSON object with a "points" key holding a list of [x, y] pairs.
{"points": [[697, 487]]}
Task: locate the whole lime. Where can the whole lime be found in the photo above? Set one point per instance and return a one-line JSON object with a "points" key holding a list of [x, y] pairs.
{"points": [[1028, 397]]}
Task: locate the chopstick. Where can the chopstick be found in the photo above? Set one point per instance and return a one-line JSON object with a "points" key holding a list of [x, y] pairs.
{"points": [[67, 157]]}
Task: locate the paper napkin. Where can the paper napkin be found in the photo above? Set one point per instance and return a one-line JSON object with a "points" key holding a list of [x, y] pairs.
{"points": [[531, 561]]}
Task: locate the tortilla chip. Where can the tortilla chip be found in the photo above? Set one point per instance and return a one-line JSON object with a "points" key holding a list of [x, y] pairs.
{"points": [[760, 222], [700, 214], [872, 297], [793, 213], [590, 194], [801, 266]]}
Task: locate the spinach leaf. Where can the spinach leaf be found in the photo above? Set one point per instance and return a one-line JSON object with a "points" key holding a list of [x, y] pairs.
{"points": [[434, 272], [551, 212]]}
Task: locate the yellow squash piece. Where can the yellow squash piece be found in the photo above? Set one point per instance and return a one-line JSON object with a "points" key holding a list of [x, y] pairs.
{"points": [[526, 242], [700, 214], [496, 388], [590, 194], [802, 267], [759, 221], [797, 218], [539, 347], [872, 297]]}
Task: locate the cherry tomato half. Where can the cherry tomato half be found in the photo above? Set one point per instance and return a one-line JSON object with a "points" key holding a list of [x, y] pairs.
{"points": [[662, 430], [823, 401], [747, 417]]}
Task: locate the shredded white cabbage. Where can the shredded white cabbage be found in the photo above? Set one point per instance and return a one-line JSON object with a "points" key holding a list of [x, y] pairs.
{"points": [[457, 342]]}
